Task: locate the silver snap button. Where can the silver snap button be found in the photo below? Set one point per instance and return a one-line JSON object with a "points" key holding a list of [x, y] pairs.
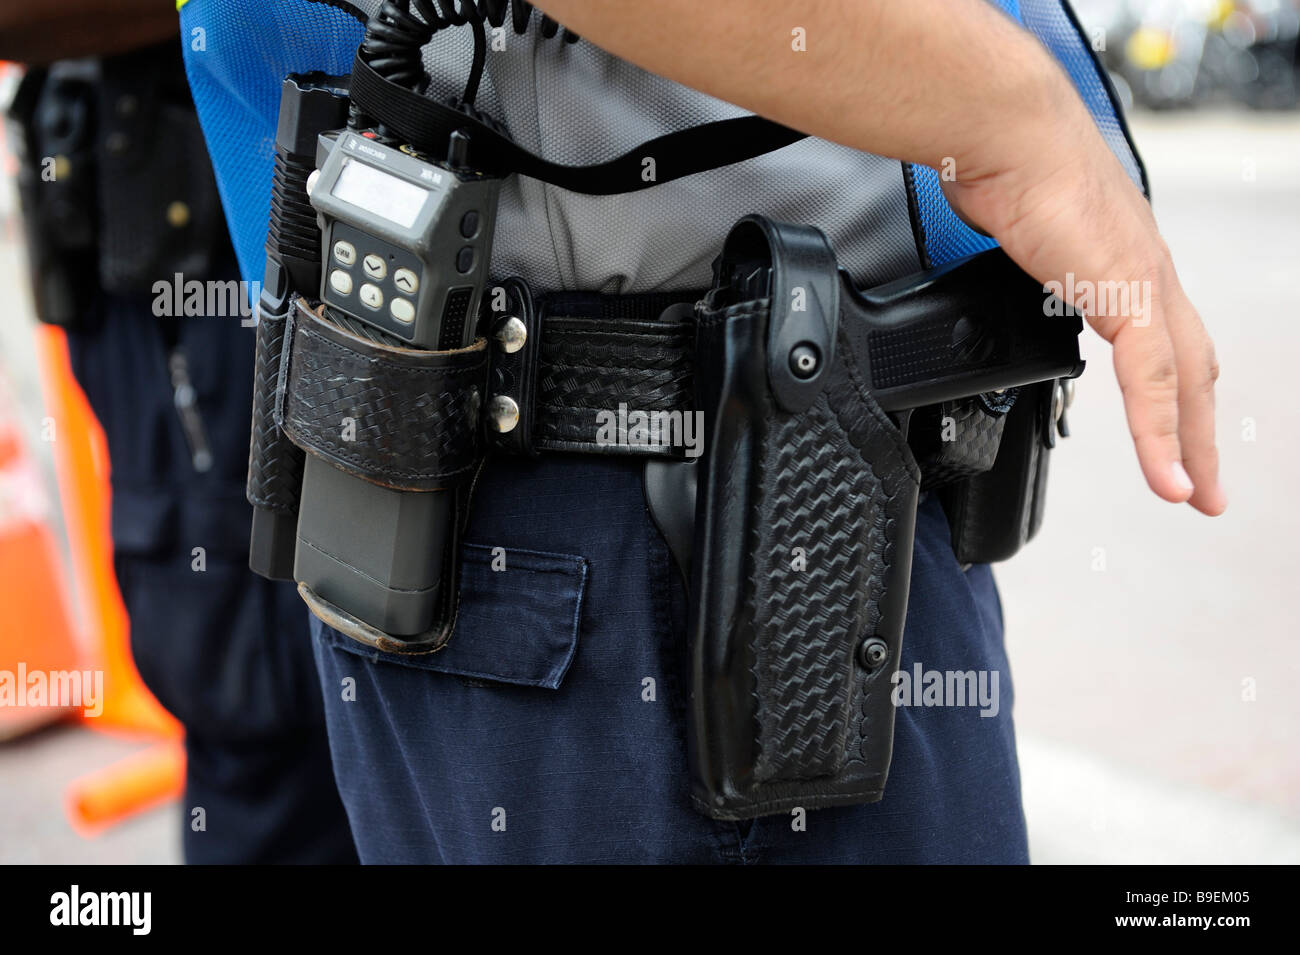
{"points": [[503, 413], [510, 335]]}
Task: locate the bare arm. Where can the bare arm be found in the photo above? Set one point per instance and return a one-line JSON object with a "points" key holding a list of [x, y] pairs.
{"points": [[41, 31], [900, 79], [954, 82]]}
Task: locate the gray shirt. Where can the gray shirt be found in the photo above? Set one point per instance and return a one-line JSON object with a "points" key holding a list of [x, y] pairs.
{"points": [[577, 104]]}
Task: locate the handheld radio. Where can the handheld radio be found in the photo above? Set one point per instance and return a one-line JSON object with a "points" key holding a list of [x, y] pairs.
{"points": [[405, 247], [406, 241]]}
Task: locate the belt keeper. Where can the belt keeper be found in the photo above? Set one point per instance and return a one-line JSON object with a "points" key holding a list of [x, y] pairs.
{"points": [[514, 343]]}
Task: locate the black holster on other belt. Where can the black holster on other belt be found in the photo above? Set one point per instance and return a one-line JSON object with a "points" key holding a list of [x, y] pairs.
{"points": [[116, 187], [53, 122]]}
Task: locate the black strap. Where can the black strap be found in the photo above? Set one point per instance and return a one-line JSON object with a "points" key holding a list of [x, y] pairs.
{"points": [[610, 365], [599, 352], [428, 124], [350, 402]]}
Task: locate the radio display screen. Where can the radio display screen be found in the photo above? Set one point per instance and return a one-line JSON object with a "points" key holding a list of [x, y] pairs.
{"points": [[377, 192]]}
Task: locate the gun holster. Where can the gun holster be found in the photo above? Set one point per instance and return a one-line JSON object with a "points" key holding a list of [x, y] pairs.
{"points": [[807, 493], [54, 122], [803, 545]]}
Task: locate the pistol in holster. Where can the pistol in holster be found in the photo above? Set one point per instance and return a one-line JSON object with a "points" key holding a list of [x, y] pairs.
{"points": [[807, 496]]}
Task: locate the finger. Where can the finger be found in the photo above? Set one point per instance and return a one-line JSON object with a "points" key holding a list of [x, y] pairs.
{"points": [[1147, 370], [1197, 372], [952, 192]]}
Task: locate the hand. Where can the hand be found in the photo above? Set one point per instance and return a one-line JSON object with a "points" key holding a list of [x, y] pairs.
{"points": [[1064, 209]]}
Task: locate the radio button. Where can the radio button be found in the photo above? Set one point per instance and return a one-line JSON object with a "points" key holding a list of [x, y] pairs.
{"points": [[406, 281], [402, 310], [370, 296], [341, 282]]}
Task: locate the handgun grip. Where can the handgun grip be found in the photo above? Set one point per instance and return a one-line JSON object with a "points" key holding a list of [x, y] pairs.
{"points": [[975, 325]]}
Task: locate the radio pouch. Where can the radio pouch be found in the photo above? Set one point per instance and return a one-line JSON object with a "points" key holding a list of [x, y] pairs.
{"points": [[393, 444]]}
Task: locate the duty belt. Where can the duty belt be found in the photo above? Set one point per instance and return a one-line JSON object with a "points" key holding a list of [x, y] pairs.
{"points": [[581, 373]]}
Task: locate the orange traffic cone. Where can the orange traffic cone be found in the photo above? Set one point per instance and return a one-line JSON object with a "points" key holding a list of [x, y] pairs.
{"points": [[141, 781], [81, 462], [151, 776], [36, 635]]}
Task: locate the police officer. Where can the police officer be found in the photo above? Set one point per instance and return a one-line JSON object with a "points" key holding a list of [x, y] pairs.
{"points": [[552, 728], [132, 204]]}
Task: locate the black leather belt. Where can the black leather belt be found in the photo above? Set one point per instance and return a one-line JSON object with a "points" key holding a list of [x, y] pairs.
{"points": [[576, 372], [566, 364]]}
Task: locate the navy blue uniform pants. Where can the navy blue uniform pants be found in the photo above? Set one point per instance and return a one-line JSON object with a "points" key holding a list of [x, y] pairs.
{"points": [[552, 727]]}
